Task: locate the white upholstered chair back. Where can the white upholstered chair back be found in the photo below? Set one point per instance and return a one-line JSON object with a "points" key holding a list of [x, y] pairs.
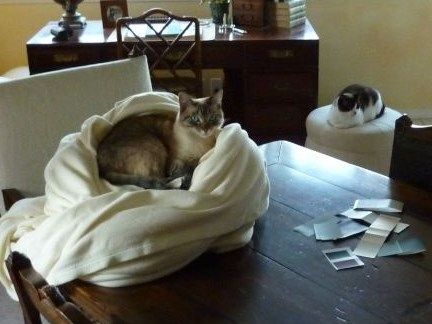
{"points": [[37, 111]]}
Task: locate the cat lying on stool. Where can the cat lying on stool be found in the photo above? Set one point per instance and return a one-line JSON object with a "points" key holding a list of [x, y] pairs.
{"points": [[161, 151], [356, 105]]}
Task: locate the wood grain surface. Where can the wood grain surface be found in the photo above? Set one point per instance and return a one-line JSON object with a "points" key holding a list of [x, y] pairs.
{"points": [[282, 276]]}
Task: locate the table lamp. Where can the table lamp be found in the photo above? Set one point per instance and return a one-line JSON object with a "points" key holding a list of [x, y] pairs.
{"points": [[71, 19]]}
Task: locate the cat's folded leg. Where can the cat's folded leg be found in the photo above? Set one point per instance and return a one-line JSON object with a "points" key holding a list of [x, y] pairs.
{"points": [[186, 181], [174, 184], [176, 168], [181, 178]]}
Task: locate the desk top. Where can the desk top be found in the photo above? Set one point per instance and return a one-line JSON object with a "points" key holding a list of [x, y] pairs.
{"points": [[95, 33], [282, 276]]}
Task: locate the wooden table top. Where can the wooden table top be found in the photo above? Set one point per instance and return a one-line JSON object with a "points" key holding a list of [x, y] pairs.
{"points": [[94, 33], [282, 276]]}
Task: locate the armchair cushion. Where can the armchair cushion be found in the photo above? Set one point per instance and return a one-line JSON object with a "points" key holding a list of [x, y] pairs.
{"points": [[37, 111]]}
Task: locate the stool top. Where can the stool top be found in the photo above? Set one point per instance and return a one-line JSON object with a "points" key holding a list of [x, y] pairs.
{"points": [[371, 136]]}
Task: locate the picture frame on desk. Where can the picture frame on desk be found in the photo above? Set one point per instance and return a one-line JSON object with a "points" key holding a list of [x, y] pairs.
{"points": [[111, 10]]}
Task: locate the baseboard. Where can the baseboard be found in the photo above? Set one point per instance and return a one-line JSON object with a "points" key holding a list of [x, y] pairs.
{"points": [[418, 113]]}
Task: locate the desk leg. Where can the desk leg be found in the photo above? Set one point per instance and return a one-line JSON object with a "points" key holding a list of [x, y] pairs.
{"points": [[233, 103]]}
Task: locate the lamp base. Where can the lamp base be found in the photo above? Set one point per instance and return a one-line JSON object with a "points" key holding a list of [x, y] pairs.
{"points": [[75, 21]]}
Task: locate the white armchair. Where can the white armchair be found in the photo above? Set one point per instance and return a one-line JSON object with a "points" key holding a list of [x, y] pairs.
{"points": [[37, 111]]}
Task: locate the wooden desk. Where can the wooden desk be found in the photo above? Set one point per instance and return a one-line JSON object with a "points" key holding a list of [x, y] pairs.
{"points": [[282, 276], [271, 76]]}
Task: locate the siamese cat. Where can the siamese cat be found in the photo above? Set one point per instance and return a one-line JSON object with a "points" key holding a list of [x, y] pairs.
{"points": [[161, 151]]}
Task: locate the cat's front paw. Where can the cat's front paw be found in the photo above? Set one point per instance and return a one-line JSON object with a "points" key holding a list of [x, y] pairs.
{"points": [[176, 168]]}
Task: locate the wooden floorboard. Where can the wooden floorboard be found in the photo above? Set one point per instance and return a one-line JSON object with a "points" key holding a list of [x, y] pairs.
{"points": [[10, 310]]}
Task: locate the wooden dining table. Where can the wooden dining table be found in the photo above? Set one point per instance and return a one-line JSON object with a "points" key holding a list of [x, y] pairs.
{"points": [[282, 276]]}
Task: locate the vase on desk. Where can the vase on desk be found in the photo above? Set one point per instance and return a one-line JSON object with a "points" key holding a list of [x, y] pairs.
{"points": [[218, 9]]}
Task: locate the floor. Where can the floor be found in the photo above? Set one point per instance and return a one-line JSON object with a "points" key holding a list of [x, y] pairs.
{"points": [[423, 121], [9, 309]]}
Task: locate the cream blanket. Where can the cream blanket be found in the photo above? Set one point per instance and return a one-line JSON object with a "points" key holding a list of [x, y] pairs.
{"points": [[114, 236]]}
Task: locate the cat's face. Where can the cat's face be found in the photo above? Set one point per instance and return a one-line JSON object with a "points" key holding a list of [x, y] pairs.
{"points": [[346, 103], [201, 115]]}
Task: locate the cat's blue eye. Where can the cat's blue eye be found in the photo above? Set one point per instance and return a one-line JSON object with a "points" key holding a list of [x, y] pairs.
{"points": [[194, 119]]}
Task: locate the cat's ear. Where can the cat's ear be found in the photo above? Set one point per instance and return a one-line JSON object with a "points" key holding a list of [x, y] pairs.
{"points": [[346, 102], [217, 97], [184, 100]]}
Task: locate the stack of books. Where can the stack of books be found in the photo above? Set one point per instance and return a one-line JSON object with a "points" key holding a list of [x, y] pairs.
{"points": [[286, 13]]}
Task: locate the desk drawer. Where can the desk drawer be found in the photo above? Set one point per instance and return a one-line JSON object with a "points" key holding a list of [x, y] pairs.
{"points": [[279, 86], [292, 55], [286, 119], [216, 55], [47, 59]]}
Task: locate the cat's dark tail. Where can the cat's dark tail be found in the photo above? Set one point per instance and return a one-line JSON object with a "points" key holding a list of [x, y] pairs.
{"points": [[172, 182]]}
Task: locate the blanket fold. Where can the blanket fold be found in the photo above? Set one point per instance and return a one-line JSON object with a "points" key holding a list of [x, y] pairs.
{"points": [[86, 228]]}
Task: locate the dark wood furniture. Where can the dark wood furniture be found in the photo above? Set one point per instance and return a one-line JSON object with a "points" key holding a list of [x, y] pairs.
{"points": [[412, 153], [11, 196], [270, 75], [176, 53], [37, 297], [282, 276]]}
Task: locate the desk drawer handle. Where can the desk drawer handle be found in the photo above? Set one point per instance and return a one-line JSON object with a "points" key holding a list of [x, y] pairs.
{"points": [[247, 6], [66, 58], [280, 54], [282, 87], [247, 18]]}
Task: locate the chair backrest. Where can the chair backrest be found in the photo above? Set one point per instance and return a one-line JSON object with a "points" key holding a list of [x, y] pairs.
{"points": [[412, 153], [37, 111], [172, 45]]}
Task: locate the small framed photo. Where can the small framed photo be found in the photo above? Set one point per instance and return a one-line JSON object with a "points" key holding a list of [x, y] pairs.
{"points": [[111, 10]]}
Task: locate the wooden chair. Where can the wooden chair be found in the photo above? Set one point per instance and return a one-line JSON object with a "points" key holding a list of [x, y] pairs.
{"points": [[412, 153], [35, 295], [24, 156], [175, 59]]}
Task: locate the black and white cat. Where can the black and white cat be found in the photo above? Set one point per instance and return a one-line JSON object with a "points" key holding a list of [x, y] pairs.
{"points": [[356, 105]]}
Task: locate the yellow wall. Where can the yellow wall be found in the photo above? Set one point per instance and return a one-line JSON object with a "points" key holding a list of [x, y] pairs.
{"points": [[384, 43]]}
